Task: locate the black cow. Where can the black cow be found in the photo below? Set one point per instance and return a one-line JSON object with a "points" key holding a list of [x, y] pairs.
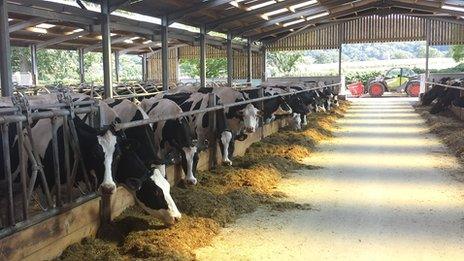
{"points": [[435, 92], [446, 97], [102, 152], [172, 137], [200, 122]]}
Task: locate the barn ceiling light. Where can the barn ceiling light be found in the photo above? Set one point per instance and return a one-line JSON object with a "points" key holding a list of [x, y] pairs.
{"points": [[312, 17], [75, 31], [253, 7], [45, 26], [293, 8], [453, 8], [235, 3], [278, 11], [293, 22], [37, 30]]}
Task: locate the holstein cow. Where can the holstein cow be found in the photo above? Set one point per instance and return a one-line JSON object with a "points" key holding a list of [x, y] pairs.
{"points": [[291, 104], [447, 97], [199, 123], [271, 107], [172, 136], [151, 189], [103, 151], [434, 93]]}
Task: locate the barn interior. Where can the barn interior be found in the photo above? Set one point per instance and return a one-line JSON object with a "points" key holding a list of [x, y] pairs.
{"points": [[243, 32]]}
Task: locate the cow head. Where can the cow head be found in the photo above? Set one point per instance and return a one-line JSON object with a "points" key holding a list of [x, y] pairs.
{"points": [[100, 152], [149, 188], [250, 115], [295, 121], [185, 141]]}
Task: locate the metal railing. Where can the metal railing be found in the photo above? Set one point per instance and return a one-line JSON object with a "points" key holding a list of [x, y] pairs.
{"points": [[132, 124], [23, 184], [27, 196], [445, 85]]}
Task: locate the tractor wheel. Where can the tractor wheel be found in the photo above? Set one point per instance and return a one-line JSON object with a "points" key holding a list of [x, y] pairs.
{"points": [[376, 89], [413, 89]]}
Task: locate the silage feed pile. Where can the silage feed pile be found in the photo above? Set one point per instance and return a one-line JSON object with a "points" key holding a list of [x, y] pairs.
{"points": [[447, 127], [219, 198]]}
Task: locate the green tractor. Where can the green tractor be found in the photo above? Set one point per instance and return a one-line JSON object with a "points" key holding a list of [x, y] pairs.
{"points": [[395, 80]]}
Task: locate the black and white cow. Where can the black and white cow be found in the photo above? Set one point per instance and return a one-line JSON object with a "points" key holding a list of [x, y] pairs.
{"points": [[110, 157], [447, 97], [199, 123], [172, 136], [435, 92], [146, 160]]}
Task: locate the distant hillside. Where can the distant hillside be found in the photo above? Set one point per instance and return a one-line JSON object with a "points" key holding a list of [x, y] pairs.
{"points": [[377, 51]]}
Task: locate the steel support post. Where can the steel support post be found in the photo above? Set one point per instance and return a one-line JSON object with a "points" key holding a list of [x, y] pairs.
{"points": [[165, 52], [202, 56], [5, 51], [106, 47], [144, 67], [230, 61], [263, 64], [116, 65], [249, 62], [81, 65], [34, 68]]}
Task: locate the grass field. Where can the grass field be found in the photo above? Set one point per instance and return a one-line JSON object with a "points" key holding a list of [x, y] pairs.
{"points": [[307, 69]]}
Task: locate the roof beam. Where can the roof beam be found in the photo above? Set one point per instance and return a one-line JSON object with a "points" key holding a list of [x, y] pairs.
{"points": [[61, 39], [341, 12], [50, 15], [254, 12], [138, 47], [118, 4], [284, 17], [81, 5], [113, 41], [58, 8], [425, 6], [172, 17], [28, 23]]}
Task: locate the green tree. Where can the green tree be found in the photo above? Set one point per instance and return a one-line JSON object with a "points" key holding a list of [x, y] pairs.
{"points": [[215, 67], [285, 62], [457, 52]]}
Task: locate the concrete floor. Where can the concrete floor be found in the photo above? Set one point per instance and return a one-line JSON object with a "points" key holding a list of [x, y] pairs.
{"points": [[385, 192]]}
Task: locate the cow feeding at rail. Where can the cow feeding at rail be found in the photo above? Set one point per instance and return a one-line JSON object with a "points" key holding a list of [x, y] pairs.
{"points": [[219, 197]]}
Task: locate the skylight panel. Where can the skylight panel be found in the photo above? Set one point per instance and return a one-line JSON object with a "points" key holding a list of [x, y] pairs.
{"points": [[453, 8], [294, 22], [253, 7], [45, 26], [293, 8], [312, 17], [278, 11]]}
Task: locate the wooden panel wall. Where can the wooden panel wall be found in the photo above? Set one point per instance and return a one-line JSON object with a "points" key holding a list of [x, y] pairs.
{"points": [[241, 67], [325, 37], [371, 29], [154, 66], [446, 33], [193, 52]]}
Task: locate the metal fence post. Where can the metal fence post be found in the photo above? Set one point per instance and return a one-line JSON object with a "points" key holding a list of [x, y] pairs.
{"points": [[7, 171], [212, 131]]}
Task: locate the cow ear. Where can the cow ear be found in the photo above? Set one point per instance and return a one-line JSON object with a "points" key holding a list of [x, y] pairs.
{"points": [[134, 184]]}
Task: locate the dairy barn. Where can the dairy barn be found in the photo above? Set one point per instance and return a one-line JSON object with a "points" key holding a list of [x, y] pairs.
{"points": [[248, 165]]}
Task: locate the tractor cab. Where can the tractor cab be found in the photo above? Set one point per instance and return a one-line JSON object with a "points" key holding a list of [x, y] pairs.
{"points": [[395, 80]]}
